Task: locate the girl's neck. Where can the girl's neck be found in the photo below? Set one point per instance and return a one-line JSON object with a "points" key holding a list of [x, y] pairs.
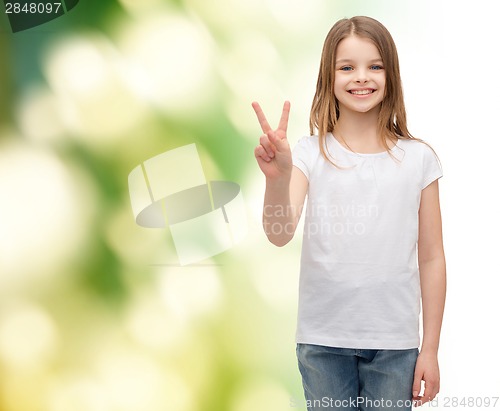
{"points": [[358, 132]]}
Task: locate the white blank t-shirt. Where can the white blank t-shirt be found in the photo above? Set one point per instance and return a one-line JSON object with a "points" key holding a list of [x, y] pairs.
{"points": [[359, 279]]}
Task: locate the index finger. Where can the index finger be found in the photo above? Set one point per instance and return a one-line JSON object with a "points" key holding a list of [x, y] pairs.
{"points": [[429, 392], [264, 125], [284, 117]]}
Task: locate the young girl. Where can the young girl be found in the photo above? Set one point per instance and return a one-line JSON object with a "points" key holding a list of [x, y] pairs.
{"points": [[372, 200]]}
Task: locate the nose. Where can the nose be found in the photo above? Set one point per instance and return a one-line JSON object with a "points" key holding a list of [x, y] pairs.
{"points": [[361, 76]]}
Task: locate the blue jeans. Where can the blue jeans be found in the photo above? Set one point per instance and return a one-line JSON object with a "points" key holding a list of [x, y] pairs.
{"points": [[350, 379]]}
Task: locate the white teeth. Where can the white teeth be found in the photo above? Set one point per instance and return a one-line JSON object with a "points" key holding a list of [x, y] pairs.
{"points": [[361, 91]]}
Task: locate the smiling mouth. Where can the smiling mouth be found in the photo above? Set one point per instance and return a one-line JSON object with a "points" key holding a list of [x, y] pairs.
{"points": [[362, 92]]}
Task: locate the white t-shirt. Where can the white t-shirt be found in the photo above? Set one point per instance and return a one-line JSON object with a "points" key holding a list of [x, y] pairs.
{"points": [[359, 279]]}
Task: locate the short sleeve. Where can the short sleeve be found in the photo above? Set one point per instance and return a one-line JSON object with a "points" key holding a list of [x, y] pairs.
{"points": [[431, 167], [304, 154]]}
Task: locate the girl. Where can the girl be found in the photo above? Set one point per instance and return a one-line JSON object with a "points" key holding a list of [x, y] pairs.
{"points": [[372, 200]]}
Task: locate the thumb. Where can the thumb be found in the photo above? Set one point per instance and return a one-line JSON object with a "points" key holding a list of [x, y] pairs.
{"points": [[417, 383], [278, 143]]}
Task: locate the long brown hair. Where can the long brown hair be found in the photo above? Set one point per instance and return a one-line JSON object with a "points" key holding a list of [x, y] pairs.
{"points": [[325, 109]]}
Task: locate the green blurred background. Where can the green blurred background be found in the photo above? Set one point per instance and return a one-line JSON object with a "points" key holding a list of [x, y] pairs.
{"points": [[96, 314]]}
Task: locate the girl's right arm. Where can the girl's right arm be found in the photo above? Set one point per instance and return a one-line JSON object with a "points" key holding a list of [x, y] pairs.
{"points": [[286, 185]]}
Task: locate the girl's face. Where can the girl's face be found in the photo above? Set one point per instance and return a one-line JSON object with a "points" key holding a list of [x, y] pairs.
{"points": [[359, 75]]}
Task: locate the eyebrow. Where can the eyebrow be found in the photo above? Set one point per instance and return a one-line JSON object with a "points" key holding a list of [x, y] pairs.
{"points": [[350, 61]]}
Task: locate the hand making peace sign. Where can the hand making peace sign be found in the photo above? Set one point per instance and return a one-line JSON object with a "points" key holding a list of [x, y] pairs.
{"points": [[273, 154]]}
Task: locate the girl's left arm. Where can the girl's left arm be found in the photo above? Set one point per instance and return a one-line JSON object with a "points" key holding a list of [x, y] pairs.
{"points": [[432, 267]]}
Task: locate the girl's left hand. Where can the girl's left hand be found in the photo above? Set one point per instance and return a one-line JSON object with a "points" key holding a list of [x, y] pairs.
{"points": [[426, 371]]}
